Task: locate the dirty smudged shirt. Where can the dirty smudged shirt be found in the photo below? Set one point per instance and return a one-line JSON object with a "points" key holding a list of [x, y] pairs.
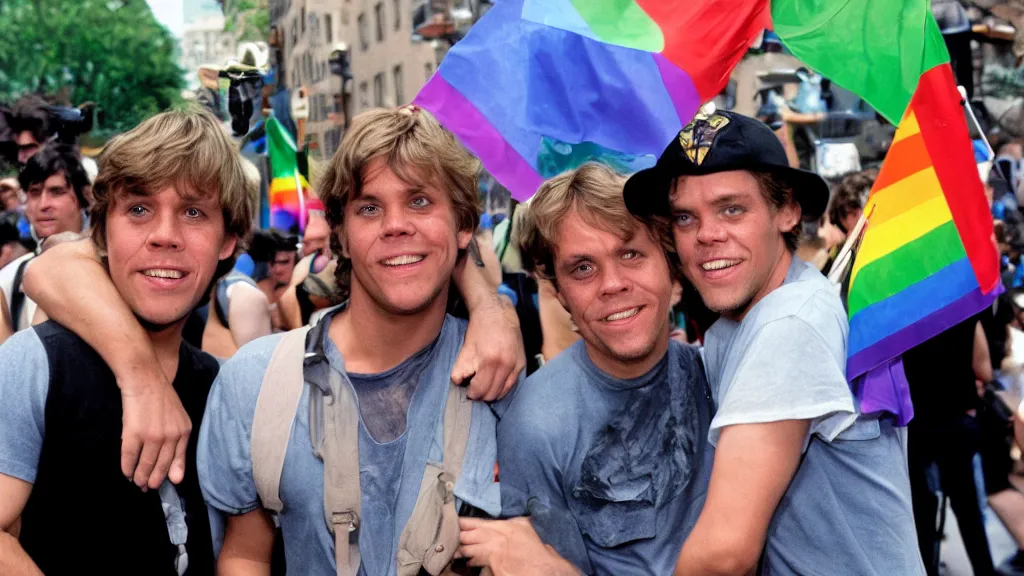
{"points": [[613, 473]]}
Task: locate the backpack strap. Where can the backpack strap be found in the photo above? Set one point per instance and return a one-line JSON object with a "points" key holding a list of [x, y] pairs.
{"points": [[276, 405], [18, 296], [342, 492], [431, 537]]}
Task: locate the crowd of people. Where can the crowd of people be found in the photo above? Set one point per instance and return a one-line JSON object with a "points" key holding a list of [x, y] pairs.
{"points": [[633, 374]]}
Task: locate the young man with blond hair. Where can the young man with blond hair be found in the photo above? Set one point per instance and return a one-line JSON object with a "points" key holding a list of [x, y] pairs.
{"points": [[604, 448], [172, 206], [400, 195]]}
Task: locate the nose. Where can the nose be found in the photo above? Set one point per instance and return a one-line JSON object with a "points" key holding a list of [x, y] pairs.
{"points": [[710, 230], [396, 223], [613, 281], [166, 232]]}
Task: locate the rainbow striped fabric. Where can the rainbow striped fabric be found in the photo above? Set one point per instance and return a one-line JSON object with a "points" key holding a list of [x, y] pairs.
{"points": [[286, 180], [540, 86], [927, 260]]}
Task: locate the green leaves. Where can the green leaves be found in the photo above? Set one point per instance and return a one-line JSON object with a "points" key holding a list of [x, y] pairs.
{"points": [[111, 52]]}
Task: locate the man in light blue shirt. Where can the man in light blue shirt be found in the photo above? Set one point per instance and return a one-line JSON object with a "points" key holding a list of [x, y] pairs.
{"points": [[803, 482]]}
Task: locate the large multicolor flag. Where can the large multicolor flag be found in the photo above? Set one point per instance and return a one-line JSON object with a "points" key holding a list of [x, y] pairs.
{"points": [[286, 208], [540, 86], [927, 260]]}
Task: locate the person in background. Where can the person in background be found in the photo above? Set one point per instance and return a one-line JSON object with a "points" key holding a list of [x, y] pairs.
{"points": [[54, 182], [281, 265], [31, 124], [10, 194]]}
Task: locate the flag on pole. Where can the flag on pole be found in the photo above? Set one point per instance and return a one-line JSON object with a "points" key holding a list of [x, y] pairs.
{"points": [[927, 260], [286, 206], [539, 87]]}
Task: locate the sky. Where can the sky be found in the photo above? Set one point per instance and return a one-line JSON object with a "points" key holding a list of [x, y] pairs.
{"points": [[174, 14], [169, 13]]}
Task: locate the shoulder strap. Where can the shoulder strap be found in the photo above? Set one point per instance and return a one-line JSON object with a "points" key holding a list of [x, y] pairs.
{"points": [[431, 536], [458, 414], [276, 405], [342, 492], [18, 296]]}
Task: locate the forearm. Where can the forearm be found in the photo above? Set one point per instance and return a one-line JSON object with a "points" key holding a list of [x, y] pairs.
{"points": [[234, 566], [475, 283], [13, 558], [56, 279]]}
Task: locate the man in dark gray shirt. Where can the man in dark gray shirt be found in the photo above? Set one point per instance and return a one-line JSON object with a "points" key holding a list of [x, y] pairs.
{"points": [[605, 446]]}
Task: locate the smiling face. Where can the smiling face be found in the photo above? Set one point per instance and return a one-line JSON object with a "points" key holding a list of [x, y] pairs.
{"points": [[52, 207], [617, 291], [730, 239], [403, 242], [163, 250]]}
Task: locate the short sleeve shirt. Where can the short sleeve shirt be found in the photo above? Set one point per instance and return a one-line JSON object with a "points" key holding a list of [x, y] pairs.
{"points": [[613, 473], [848, 508], [225, 461]]}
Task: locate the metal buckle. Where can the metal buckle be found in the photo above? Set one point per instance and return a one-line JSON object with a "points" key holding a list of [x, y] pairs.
{"points": [[347, 517]]}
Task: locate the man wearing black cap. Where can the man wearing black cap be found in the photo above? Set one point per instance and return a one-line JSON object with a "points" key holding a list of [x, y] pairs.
{"points": [[802, 482]]}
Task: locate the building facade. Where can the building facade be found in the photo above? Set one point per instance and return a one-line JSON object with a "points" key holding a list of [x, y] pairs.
{"points": [[388, 63], [203, 39]]}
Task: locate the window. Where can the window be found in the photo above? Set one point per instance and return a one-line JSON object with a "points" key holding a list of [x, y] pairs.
{"points": [[364, 96], [378, 89], [302, 24], [295, 32], [379, 16], [364, 42], [396, 76], [345, 18], [327, 28], [378, 13], [398, 14], [428, 70]]}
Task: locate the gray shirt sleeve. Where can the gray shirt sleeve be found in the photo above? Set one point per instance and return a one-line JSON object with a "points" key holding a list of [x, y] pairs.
{"points": [[223, 460], [24, 384], [788, 372]]}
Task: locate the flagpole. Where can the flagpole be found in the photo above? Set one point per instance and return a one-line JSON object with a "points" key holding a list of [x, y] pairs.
{"points": [[970, 114]]}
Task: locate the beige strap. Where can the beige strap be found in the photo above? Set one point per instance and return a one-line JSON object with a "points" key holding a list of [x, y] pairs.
{"points": [[342, 496], [431, 537], [276, 405], [458, 414]]}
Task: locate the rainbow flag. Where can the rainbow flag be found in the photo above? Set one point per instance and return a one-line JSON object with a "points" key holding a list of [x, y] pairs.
{"points": [[286, 180], [538, 87], [927, 260]]}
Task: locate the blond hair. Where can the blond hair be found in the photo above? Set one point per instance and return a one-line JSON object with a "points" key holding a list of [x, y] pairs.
{"points": [[187, 149], [416, 148], [594, 192]]}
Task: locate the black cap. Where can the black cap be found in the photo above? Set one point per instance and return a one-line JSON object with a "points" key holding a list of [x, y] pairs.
{"points": [[721, 142]]}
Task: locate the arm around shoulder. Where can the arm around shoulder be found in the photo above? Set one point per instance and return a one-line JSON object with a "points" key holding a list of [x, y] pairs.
{"points": [[754, 464]]}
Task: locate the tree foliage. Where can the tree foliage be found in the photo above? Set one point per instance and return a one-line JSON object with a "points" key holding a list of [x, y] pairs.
{"points": [[248, 20], [111, 52]]}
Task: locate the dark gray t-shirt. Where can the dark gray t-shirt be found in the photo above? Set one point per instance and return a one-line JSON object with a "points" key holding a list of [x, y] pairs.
{"points": [[612, 472]]}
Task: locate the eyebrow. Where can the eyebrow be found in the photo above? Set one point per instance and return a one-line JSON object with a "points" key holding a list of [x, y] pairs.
{"points": [[408, 191]]}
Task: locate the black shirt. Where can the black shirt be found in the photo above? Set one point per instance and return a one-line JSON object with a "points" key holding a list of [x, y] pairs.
{"points": [[83, 516]]}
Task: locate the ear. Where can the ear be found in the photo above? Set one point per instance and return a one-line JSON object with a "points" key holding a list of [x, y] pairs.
{"points": [[228, 247], [788, 217], [463, 238]]}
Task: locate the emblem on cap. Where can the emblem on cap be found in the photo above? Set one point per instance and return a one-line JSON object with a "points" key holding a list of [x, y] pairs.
{"points": [[697, 137]]}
